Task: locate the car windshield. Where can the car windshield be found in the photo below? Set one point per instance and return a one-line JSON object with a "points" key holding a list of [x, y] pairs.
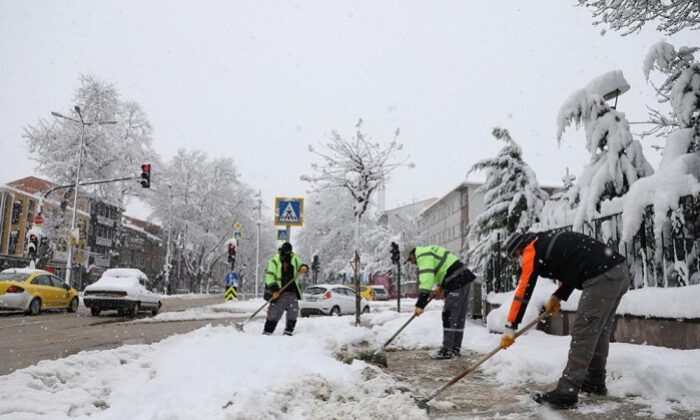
{"points": [[13, 276], [315, 290]]}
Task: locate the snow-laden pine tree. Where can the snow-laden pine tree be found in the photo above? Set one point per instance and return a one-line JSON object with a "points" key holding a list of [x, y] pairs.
{"points": [[616, 160], [513, 200]]}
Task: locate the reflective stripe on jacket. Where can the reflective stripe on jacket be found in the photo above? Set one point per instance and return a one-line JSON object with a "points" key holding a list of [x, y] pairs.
{"points": [[432, 263], [273, 275]]}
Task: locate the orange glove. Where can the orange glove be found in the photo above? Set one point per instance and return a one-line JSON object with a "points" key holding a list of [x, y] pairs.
{"points": [[553, 305], [438, 292], [275, 295], [508, 338], [303, 270], [418, 311]]}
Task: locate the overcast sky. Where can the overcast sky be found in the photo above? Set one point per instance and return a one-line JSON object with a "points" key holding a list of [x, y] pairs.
{"points": [[259, 80]]}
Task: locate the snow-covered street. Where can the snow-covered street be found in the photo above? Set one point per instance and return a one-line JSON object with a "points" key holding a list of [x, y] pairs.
{"points": [[218, 372]]}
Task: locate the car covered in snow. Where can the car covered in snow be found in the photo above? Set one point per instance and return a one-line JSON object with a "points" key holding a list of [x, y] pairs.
{"points": [[31, 291], [330, 299], [126, 290]]}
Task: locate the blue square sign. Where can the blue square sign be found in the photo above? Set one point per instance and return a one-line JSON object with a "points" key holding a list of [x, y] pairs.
{"points": [[289, 211]]}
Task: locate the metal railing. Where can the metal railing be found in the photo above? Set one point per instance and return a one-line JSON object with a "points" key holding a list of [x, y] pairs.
{"points": [[669, 259]]}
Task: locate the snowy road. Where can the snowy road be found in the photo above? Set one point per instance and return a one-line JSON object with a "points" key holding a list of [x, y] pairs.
{"points": [[29, 340]]}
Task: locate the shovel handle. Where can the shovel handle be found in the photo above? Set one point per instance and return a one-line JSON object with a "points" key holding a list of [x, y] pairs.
{"points": [[240, 326], [485, 357], [396, 334]]}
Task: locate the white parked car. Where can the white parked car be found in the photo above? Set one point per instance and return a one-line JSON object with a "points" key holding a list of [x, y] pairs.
{"points": [[330, 299], [126, 290]]}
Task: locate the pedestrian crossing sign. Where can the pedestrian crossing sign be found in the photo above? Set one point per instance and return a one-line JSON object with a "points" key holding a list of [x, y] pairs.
{"points": [[289, 211]]}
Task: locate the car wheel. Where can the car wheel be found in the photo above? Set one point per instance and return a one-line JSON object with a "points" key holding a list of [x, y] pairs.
{"points": [[95, 311], [154, 312], [135, 310], [365, 310], [34, 307], [73, 307], [335, 311]]}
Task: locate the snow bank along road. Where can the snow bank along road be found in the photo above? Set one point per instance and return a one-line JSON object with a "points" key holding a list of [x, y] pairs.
{"points": [[217, 372], [26, 340]]}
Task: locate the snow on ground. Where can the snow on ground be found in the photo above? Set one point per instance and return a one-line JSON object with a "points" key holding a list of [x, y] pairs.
{"points": [[212, 373], [217, 372]]}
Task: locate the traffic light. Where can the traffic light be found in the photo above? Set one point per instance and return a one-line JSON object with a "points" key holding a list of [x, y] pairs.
{"points": [[146, 175], [315, 264], [33, 245], [231, 252], [395, 254]]}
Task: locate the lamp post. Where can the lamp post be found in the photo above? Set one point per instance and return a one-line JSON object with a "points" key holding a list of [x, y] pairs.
{"points": [[83, 123]]}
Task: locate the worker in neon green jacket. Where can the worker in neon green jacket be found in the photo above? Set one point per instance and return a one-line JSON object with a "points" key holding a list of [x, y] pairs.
{"points": [[441, 270], [282, 288]]}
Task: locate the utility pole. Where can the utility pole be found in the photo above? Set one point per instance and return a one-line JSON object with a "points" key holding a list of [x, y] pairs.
{"points": [[257, 248], [167, 248], [83, 123]]}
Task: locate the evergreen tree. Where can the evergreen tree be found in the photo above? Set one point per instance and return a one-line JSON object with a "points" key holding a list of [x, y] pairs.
{"points": [[512, 202]]}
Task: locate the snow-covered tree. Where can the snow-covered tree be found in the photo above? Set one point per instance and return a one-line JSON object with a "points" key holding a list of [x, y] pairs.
{"points": [[513, 200], [198, 200], [616, 159], [680, 88], [358, 166], [629, 16], [328, 234], [678, 174], [109, 151]]}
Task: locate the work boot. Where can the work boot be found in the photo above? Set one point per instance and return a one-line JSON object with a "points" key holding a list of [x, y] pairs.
{"points": [[442, 354], [556, 400], [594, 388], [289, 328], [269, 327]]}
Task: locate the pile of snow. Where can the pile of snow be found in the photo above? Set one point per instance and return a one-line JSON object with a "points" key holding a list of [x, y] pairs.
{"points": [[211, 373]]}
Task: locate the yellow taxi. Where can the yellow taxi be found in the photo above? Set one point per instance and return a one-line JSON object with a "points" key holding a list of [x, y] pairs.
{"points": [[31, 291], [367, 292]]}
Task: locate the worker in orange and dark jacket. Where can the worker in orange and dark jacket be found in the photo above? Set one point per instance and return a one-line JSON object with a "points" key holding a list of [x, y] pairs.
{"points": [[577, 262]]}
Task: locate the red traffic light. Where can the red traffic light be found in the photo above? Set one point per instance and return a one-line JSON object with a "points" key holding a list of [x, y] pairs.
{"points": [[146, 175]]}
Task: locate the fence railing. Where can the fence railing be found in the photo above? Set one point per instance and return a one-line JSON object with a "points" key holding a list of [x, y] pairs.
{"points": [[667, 257]]}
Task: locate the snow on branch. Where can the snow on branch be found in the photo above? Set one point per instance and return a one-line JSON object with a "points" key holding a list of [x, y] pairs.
{"points": [[629, 16], [616, 159], [358, 165]]}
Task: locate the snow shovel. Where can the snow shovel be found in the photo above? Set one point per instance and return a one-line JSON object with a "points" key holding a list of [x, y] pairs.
{"points": [[239, 327], [379, 357], [423, 403]]}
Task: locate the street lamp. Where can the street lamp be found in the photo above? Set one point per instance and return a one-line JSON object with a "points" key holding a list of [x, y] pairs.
{"points": [[83, 123]]}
